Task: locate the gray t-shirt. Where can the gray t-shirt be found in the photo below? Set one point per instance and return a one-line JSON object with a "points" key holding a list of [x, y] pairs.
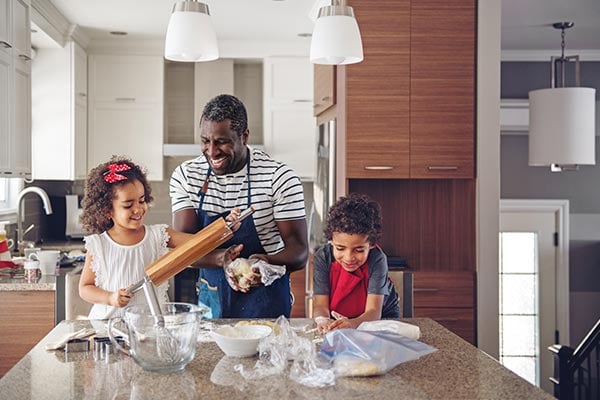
{"points": [[379, 282]]}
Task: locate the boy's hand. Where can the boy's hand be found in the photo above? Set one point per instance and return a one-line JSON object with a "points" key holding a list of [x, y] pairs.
{"points": [[119, 298]]}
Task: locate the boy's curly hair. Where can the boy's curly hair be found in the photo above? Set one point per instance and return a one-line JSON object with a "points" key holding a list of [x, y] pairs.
{"points": [[99, 194], [355, 214]]}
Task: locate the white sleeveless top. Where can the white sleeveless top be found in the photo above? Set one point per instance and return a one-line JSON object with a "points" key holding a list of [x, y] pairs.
{"points": [[117, 266]]}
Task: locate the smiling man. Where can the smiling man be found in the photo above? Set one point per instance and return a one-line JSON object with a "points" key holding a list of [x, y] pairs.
{"points": [[231, 176]]}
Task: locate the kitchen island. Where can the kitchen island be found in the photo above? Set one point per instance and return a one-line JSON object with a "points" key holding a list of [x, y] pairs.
{"points": [[456, 371]]}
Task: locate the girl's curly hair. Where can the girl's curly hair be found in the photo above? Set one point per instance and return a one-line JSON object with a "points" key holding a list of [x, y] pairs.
{"points": [[355, 214], [99, 194]]}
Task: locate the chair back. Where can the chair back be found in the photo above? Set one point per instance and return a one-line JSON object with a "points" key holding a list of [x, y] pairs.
{"points": [[403, 283]]}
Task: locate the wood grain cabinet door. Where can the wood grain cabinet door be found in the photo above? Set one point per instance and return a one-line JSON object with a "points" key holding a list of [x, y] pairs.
{"points": [[442, 89], [377, 92]]}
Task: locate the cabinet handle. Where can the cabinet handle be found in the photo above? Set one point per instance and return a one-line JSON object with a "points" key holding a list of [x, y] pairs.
{"points": [[82, 94], [447, 319], [378, 167], [4, 44], [442, 168], [316, 105], [325, 98], [125, 99], [302, 101], [24, 57], [430, 290]]}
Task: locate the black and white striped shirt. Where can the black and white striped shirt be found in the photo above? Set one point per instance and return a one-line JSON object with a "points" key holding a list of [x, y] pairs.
{"points": [[276, 193]]}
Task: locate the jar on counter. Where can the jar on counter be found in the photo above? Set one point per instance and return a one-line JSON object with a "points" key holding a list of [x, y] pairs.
{"points": [[32, 270]]}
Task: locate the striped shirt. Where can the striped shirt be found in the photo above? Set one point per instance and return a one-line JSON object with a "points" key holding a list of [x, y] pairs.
{"points": [[276, 193]]}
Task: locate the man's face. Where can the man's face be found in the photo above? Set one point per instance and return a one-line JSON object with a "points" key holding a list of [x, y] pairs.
{"points": [[224, 149]]}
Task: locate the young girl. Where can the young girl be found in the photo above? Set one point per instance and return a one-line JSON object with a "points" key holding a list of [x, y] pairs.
{"points": [[350, 272], [116, 200]]}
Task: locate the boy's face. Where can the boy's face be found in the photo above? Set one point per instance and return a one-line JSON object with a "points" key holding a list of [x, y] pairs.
{"points": [[350, 250]]}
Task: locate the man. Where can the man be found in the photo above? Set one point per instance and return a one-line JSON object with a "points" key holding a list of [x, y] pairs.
{"points": [[230, 176]]}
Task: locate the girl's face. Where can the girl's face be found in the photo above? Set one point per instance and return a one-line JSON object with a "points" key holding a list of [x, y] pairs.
{"points": [[350, 250], [129, 205]]}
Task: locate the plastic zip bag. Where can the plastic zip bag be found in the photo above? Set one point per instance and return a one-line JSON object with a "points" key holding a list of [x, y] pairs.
{"points": [[364, 353]]}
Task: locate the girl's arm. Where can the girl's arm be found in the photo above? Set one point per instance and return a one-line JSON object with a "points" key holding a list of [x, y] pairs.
{"points": [[372, 313], [89, 292]]}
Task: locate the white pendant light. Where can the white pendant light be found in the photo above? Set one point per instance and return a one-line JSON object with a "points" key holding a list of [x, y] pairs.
{"points": [[190, 34], [562, 119], [336, 36]]}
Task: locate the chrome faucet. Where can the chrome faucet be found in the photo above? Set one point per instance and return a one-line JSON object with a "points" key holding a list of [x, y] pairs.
{"points": [[20, 209]]}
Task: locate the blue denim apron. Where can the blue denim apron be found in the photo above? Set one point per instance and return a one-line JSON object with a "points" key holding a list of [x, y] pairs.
{"points": [[224, 302]]}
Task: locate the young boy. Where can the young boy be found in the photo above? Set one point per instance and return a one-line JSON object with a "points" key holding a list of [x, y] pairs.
{"points": [[350, 272]]}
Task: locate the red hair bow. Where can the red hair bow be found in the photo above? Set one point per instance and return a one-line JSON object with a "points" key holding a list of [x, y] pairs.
{"points": [[112, 175]]}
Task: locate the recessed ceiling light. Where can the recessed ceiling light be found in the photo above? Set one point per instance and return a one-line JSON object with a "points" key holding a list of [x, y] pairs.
{"points": [[305, 34], [118, 33]]}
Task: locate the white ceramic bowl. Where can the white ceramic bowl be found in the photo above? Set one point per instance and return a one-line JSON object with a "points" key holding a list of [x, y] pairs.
{"points": [[240, 341]]}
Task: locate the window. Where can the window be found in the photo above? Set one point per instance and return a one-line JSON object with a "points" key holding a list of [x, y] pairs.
{"points": [[9, 189]]}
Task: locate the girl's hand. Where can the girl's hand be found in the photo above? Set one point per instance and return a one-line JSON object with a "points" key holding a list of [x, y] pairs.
{"points": [[119, 298]]}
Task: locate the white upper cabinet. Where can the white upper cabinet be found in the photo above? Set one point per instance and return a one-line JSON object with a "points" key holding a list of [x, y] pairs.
{"points": [[126, 110], [289, 124], [59, 113], [15, 89]]}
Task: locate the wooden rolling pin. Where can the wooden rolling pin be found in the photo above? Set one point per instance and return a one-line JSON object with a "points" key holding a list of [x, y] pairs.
{"points": [[199, 245]]}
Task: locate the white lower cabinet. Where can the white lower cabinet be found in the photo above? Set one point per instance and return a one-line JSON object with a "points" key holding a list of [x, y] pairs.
{"points": [[126, 110]]}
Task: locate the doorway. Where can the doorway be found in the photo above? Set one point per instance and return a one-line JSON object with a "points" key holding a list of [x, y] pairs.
{"points": [[534, 287]]}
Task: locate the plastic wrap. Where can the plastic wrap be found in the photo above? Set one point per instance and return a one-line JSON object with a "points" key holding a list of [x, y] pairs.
{"points": [[244, 273], [275, 353], [364, 353]]}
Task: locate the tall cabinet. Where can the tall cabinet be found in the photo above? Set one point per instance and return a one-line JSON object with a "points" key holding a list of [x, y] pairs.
{"points": [[405, 117], [59, 128], [15, 88]]}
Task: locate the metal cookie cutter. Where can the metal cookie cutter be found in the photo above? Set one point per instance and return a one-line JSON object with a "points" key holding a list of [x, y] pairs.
{"points": [[75, 345]]}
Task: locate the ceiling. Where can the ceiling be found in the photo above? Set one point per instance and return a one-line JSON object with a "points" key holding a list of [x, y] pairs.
{"points": [[526, 24]]}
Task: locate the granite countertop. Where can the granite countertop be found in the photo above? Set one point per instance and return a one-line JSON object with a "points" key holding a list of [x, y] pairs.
{"points": [[16, 283], [456, 371]]}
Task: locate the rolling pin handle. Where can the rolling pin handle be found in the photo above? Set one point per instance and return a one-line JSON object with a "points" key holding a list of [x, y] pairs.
{"points": [[248, 211]]}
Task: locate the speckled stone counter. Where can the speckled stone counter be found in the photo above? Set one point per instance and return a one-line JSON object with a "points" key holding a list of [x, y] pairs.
{"points": [[456, 371], [45, 282]]}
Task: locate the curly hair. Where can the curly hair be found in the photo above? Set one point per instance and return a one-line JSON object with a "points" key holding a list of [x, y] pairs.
{"points": [[355, 214], [226, 106], [99, 194]]}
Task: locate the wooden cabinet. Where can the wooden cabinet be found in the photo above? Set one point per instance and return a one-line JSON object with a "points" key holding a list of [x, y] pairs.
{"points": [[126, 110], [324, 88], [409, 106], [59, 114], [448, 298], [25, 318], [407, 113], [376, 93], [15, 89], [442, 91], [289, 125]]}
